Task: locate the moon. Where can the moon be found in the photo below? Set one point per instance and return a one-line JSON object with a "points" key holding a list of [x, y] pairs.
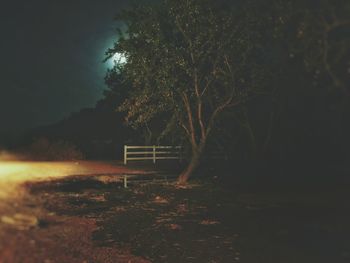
{"points": [[117, 59]]}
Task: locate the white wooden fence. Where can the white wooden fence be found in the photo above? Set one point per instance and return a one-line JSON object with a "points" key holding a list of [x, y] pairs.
{"points": [[136, 153]]}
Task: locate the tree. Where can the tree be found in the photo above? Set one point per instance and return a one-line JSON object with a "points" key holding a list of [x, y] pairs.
{"points": [[319, 32], [203, 67], [187, 60]]}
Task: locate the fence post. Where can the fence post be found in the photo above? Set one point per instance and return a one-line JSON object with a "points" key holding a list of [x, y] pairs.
{"points": [[154, 154], [125, 154], [125, 181]]}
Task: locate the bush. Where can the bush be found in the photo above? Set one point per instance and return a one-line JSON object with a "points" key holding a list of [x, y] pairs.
{"points": [[44, 150]]}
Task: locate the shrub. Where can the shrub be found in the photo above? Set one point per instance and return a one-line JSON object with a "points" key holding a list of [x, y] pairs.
{"points": [[45, 150]]}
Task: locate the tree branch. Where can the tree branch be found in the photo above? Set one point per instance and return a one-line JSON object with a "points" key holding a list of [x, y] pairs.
{"points": [[329, 27], [199, 105], [192, 131], [227, 104]]}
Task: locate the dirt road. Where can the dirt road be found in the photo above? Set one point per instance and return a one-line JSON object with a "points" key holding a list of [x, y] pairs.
{"points": [[30, 234], [13, 174]]}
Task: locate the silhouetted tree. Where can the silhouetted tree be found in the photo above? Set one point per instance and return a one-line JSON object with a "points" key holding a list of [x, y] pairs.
{"points": [[257, 70], [192, 60]]}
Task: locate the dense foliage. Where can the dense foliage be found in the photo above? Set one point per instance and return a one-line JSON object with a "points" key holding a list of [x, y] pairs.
{"points": [[45, 150], [256, 79]]}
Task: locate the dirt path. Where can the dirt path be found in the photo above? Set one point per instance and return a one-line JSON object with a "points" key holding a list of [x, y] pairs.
{"points": [[30, 234], [13, 174], [49, 216]]}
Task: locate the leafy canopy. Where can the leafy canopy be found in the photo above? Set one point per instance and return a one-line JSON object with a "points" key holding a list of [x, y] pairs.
{"points": [[188, 60]]}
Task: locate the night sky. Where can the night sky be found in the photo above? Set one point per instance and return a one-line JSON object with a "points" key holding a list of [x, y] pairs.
{"points": [[52, 58]]}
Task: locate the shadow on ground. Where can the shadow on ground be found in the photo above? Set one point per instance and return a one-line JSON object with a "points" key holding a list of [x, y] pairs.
{"points": [[208, 221]]}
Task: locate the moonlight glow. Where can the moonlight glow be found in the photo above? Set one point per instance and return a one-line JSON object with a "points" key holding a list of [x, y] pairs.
{"points": [[117, 59]]}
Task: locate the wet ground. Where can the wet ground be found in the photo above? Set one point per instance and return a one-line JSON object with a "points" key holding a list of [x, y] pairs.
{"points": [[30, 233], [92, 218]]}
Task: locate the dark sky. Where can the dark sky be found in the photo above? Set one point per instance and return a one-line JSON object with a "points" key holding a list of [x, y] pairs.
{"points": [[51, 58]]}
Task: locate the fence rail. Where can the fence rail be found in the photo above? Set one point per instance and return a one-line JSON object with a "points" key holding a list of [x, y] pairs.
{"points": [[138, 153]]}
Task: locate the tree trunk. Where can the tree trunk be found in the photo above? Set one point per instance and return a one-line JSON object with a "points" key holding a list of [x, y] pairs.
{"points": [[185, 175]]}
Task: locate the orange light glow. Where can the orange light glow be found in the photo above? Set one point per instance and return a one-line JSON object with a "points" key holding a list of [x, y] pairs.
{"points": [[9, 168], [22, 171], [14, 173]]}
